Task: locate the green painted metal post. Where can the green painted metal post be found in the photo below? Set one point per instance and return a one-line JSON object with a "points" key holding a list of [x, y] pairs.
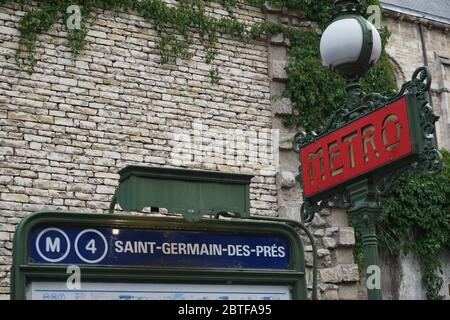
{"points": [[365, 212]]}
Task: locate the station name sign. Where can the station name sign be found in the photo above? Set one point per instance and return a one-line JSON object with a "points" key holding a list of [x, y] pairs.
{"points": [[378, 139], [157, 248]]}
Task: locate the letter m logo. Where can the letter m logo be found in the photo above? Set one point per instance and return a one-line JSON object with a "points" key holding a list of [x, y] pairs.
{"points": [[52, 246]]}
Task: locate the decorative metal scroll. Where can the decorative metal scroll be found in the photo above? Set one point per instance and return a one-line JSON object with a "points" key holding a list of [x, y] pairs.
{"points": [[430, 161], [360, 104]]}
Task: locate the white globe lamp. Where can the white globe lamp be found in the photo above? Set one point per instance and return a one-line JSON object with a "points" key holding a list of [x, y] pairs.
{"points": [[350, 45]]}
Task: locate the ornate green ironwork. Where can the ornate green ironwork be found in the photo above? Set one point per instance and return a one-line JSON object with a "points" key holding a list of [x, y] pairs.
{"points": [[346, 7], [336, 200], [360, 104], [360, 198], [430, 159]]}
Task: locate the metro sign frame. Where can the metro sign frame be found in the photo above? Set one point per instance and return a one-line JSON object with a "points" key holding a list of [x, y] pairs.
{"points": [[389, 137], [383, 137]]}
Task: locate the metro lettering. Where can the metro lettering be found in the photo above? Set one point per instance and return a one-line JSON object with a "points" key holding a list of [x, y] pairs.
{"points": [[357, 147]]}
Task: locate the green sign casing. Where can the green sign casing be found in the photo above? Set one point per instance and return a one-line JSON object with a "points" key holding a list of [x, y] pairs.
{"points": [[194, 193], [28, 269]]}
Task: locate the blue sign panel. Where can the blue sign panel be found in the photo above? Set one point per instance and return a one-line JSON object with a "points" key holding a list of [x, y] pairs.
{"points": [[142, 247]]}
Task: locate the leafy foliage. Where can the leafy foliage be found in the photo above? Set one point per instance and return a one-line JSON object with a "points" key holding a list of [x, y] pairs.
{"points": [[315, 90], [176, 24], [419, 209], [416, 216]]}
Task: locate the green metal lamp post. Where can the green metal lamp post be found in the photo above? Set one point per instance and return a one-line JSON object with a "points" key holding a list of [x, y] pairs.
{"points": [[351, 46]]}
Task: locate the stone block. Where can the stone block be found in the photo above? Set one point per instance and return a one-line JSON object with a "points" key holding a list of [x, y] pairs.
{"points": [[286, 179], [282, 106], [331, 275], [49, 184], [14, 197], [348, 292], [338, 218], [289, 212], [329, 242], [323, 252], [350, 272], [277, 39], [8, 151], [329, 232], [271, 8], [331, 295], [286, 142], [81, 187], [5, 180], [308, 259], [344, 255], [318, 221], [5, 236], [278, 59], [340, 273], [346, 236], [319, 233]]}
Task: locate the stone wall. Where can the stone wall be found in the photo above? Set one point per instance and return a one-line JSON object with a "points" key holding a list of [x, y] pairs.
{"points": [[68, 128], [402, 277], [338, 274], [406, 52]]}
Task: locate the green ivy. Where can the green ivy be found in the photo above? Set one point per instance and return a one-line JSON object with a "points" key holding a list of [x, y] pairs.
{"points": [[315, 90]]}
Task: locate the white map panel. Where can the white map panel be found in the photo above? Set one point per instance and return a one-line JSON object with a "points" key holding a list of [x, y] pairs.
{"points": [[155, 291]]}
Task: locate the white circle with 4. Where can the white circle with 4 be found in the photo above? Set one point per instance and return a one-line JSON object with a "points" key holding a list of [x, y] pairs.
{"points": [[91, 246]]}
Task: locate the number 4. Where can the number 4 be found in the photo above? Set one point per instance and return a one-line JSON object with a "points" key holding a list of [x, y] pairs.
{"points": [[91, 246]]}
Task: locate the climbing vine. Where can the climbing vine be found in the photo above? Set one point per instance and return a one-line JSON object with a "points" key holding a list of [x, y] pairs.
{"points": [[316, 90], [419, 209], [178, 25]]}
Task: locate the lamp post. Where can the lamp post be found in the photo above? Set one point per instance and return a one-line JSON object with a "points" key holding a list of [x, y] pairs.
{"points": [[368, 143], [351, 45]]}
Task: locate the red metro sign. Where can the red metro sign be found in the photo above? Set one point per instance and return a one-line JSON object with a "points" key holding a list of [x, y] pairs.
{"points": [[376, 140]]}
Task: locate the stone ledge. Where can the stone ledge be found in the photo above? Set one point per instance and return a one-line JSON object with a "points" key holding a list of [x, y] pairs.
{"points": [[346, 236], [282, 106], [267, 7], [348, 292], [340, 273]]}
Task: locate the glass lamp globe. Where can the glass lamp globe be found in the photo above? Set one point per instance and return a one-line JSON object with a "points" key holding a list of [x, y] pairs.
{"points": [[345, 46]]}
